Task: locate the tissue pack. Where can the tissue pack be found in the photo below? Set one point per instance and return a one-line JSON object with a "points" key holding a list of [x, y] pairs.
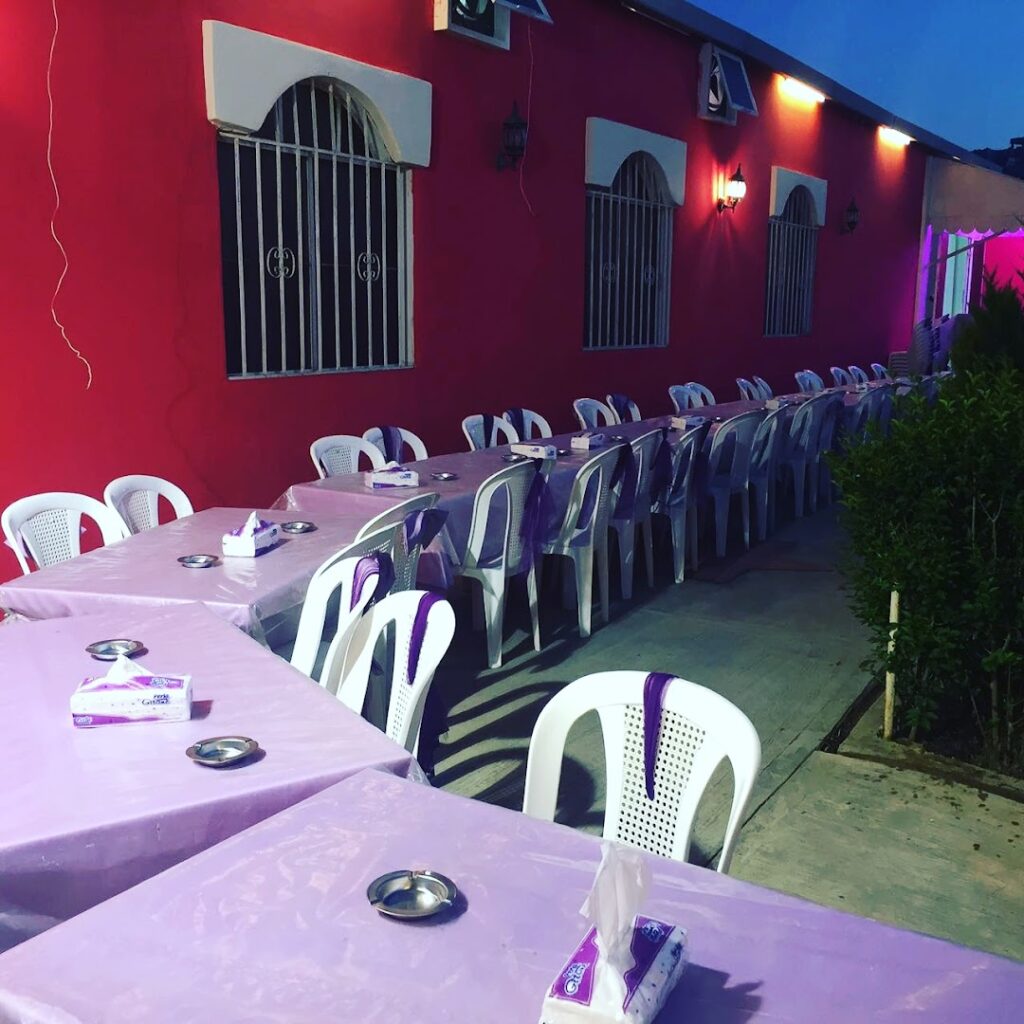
{"points": [[590, 990], [394, 477], [535, 451], [587, 440], [140, 698], [245, 542], [686, 422]]}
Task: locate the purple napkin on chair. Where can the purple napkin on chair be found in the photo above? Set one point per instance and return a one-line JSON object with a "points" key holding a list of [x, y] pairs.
{"points": [[419, 632], [518, 421], [538, 513], [488, 429], [423, 526], [392, 437], [655, 686], [378, 564], [661, 472], [620, 403]]}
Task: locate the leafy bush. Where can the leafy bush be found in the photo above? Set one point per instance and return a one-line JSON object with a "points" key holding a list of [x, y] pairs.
{"points": [[995, 339]]}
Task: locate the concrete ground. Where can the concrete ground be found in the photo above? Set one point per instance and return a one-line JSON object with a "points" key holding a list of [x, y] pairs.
{"points": [[771, 631]]}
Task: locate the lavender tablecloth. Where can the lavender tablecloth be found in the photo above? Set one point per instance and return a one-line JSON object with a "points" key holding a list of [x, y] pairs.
{"points": [[273, 926], [142, 572], [85, 813]]}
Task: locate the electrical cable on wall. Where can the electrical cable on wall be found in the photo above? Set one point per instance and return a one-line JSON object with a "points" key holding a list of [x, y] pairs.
{"points": [[56, 207], [529, 101]]}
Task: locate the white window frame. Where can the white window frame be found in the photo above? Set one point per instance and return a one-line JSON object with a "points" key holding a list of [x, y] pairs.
{"points": [[443, 23]]}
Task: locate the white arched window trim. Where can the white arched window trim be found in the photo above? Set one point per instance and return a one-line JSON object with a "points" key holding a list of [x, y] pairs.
{"points": [[247, 71], [783, 183], [610, 144]]}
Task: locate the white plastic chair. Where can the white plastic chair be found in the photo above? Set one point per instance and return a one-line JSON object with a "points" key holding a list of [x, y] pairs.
{"points": [[502, 432], [808, 382], [47, 527], [857, 374], [645, 448], [534, 425], [764, 387], [416, 447], [632, 410], [797, 452], [749, 392], [409, 683], [679, 502], [701, 394], [828, 425], [338, 454], [698, 730], [491, 563], [136, 498], [733, 441], [589, 411], [842, 378], [583, 534], [764, 459], [334, 579], [406, 559], [682, 398], [880, 372]]}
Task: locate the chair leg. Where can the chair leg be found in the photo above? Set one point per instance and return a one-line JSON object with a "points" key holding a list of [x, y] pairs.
{"points": [[583, 566], [601, 557], [492, 586], [721, 499], [677, 523], [625, 534], [761, 500], [532, 590], [799, 472], [745, 501], [647, 538]]}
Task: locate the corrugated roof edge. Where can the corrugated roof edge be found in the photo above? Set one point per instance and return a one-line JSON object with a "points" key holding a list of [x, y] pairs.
{"points": [[685, 17]]}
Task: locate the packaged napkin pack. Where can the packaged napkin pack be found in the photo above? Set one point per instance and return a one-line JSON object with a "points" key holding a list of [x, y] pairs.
{"points": [[392, 475], [535, 451], [626, 964], [587, 440], [687, 422], [254, 536], [130, 693]]}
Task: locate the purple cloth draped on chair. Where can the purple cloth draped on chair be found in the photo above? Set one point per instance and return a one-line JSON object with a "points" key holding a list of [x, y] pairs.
{"points": [[488, 429], [419, 632], [661, 473], [620, 403], [625, 473], [538, 513], [392, 437], [655, 686], [518, 421], [378, 564], [423, 526]]}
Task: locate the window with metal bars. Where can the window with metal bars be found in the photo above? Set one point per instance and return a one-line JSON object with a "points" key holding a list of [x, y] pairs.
{"points": [[792, 256], [314, 240], [628, 258]]}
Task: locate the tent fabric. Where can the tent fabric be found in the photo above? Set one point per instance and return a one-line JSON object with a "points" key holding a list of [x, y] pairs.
{"points": [[965, 199]]}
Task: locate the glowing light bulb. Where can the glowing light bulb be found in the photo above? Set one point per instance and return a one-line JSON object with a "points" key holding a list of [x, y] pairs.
{"points": [[800, 91]]}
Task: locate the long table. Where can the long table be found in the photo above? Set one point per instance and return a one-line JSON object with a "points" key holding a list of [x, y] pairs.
{"points": [[274, 925], [86, 813]]}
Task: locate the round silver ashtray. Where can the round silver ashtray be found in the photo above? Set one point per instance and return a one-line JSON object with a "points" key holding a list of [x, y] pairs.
{"points": [[444, 476], [411, 894], [513, 457], [111, 650], [198, 561], [564, 451], [222, 751], [618, 438], [298, 526], [718, 419]]}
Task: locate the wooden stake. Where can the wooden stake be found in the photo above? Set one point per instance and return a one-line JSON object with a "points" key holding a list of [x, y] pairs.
{"points": [[890, 677]]}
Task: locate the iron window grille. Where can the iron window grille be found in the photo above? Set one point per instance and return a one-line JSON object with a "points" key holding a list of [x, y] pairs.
{"points": [[628, 259], [315, 220], [792, 257]]}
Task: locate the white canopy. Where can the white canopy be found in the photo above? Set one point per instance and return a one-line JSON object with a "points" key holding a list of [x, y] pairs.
{"points": [[966, 199]]}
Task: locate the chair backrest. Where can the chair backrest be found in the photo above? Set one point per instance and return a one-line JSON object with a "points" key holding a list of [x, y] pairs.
{"points": [[334, 581], [749, 391], [645, 449], [809, 382], [702, 394], [802, 437], [590, 499], [589, 411], [840, 377], [697, 729], [498, 430], [136, 498], [763, 386], [47, 527], [858, 375], [764, 449], [533, 424], [338, 454], [424, 625], [829, 414], [682, 398], [406, 554], [513, 484], [624, 408], [880, 372], [734, 440], [684, 458], [418, 450], [855, 421]]}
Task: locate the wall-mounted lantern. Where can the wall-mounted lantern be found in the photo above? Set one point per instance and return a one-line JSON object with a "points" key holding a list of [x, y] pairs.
{"points": [[513, 140], [735, 190], [851, 218]]}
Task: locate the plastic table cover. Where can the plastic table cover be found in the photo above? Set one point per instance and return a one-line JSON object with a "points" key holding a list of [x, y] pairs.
{"points": [[85, 813], [274, 926]]}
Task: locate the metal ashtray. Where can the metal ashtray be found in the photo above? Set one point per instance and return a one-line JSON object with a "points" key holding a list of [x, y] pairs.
{"points": [[619, 437], [198, 561], [298, 526], [444, 476], [221, 751], [111, 650], [513, 457], [564, 451], [411, 894], [718, 419]]}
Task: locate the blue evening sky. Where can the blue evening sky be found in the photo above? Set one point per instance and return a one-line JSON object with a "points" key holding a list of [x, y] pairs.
{"points": [[951, 66]]}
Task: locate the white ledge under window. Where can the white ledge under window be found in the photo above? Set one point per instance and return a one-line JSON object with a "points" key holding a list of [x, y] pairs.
{"points": [[247, 71], [783, 183], [610, 143]]}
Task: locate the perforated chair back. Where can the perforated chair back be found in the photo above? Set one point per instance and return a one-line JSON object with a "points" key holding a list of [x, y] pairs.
{"points": [[698, 730], [702, 394], [338, 454], [406, 557], [413, 665], [46, 528], [840, 377], [136, 500], [857, 374], [749, 392], [592, 414], [764, 387], [733, 441], [417, 449], [534, 425], [502, 432], [512, 484], [630, 410], [880, 372], [682, 398]]}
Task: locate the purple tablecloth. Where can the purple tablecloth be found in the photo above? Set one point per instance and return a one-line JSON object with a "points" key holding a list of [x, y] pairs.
{"points": [[85, 813], [142, 572], [274, 926]]}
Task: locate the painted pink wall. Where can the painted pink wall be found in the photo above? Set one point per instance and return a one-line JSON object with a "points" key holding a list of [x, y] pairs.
{"points": [[1004, 257], [498, 291]]}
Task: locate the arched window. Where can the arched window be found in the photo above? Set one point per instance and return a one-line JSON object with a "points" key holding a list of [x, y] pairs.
{"points": [[792, 255], [628, 258], [314, 222]]}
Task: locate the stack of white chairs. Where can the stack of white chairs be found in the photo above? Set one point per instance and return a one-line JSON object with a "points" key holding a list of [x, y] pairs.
{"points": [[135, 499], [339, 454], [593, 415], [487, 431]]}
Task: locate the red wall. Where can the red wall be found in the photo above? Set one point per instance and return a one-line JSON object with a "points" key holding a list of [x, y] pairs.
{"points": [[498, 293], [1004, 258]]}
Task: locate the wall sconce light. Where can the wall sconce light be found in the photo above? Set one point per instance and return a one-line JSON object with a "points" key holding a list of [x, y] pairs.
{"points": [[851, 218], [513, 140], [800, 91], [735, 190], [893, 137]]}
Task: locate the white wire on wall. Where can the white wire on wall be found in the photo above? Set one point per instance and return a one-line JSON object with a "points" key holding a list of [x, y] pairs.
{"points": [[56, 207], [529, 104]]}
